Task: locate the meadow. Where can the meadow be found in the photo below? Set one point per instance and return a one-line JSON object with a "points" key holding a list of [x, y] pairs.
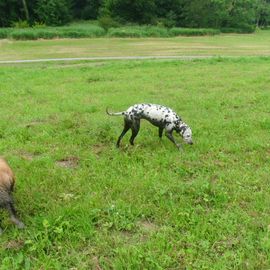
{"points": [[256, 44], [88, 205]]}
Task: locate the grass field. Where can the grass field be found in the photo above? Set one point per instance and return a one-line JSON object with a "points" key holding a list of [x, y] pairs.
{"points": [[257, 44], [94, 31], [88, 205]]}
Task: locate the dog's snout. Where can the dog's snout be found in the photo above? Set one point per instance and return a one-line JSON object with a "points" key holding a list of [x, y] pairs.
{"points": [[191, 143]]}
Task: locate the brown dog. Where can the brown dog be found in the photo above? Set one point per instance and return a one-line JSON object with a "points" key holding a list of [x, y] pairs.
{"points": [[7, 181]]}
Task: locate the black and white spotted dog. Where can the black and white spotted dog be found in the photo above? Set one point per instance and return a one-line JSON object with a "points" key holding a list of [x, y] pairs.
{"points": [[158, 115]]}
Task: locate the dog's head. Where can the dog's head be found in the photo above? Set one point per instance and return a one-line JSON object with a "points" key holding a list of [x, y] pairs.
{"points": [[186, 133]]}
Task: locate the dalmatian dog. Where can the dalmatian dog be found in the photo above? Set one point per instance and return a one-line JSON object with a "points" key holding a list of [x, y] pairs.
{"points": [[158, 115]]}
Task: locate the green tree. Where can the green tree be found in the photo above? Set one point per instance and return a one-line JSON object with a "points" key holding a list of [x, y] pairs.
{"points": [[262, 12], [241, 13], [10, 11], [86, 9], [25, 7], [244, 14], [219, 13], [140, 11], [171, 11], [54, 12]]}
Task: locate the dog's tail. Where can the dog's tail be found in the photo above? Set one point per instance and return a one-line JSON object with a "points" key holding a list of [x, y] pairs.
{"points": [[114, 114]]}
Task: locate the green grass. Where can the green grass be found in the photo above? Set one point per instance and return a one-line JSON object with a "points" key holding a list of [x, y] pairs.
{"points": [[92, 29], [219, 45], [55, 32], [177, 31], [138, 31], [154, 31], [148, 206]]}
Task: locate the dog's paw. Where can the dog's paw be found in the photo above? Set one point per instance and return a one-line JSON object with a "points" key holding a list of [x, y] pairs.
{"points": [[20, 225], [180, 147], [17, 222]]}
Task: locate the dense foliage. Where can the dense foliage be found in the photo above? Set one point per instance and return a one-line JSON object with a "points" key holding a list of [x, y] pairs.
{"points": [[53, 12], [241, 14]]}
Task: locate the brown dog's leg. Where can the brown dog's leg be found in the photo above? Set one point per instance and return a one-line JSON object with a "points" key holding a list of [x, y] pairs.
{"points": [[13, 215]]}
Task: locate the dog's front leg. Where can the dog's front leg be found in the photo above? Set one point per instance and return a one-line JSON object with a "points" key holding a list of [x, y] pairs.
{"points": [[171, 138], [160, 131]]}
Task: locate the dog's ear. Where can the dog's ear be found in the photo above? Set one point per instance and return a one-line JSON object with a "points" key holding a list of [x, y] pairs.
{"points": [[182, 128], [177, 126]]}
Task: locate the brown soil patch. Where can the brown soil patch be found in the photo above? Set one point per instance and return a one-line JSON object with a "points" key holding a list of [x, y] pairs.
{"points": [[96, 263], [98, 148], [68, 162], [34, 123], [92, 64], [126, 235], [147, 226], [67, 196], [28, 156], [14, 244]]}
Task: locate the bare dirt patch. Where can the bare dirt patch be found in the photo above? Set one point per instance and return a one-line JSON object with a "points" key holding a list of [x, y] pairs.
{"points": [[125, 236], [91, 64], [34, 123], [14, 244], [68, 162], [98, 148], [96, 263], [147, 226], [28, 156]]}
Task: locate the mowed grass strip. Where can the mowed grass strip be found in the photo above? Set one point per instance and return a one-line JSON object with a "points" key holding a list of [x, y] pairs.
{"points": [[256, 44], [89, 205]]}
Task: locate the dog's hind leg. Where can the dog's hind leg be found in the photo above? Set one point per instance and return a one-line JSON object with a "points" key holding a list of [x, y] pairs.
{"points": [[171, 138], [135, 130], [160, 132], [127, 126], [13, 215]]}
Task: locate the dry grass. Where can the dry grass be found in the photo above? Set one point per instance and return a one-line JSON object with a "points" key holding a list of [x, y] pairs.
{"points": [[223, 45]]}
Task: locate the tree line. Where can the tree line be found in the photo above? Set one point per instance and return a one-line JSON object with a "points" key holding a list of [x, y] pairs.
{"points": [[181, 13]]}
